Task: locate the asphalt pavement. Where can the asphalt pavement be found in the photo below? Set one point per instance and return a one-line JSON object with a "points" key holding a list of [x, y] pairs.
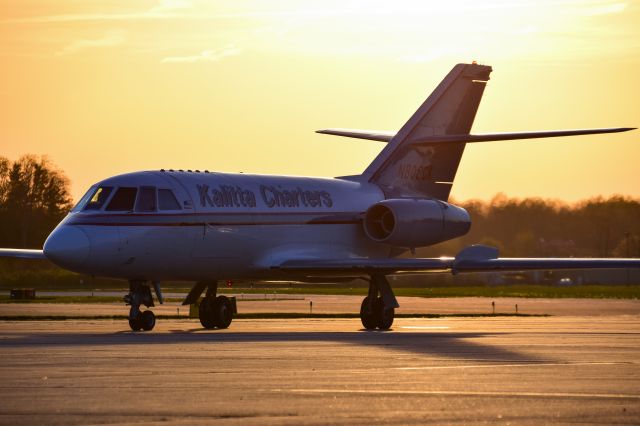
{"points": [[523, 370]]}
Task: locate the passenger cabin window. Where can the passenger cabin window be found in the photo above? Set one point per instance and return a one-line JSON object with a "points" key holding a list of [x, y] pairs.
{"points": [[146, 199], [99, 197], [123, 200], [167, 201]]}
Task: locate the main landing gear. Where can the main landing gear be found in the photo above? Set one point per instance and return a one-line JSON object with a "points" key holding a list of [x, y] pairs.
{"points": [[378, 308], [140, 294], [214, 311]]}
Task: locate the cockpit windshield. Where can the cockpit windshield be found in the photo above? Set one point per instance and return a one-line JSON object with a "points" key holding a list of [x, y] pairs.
{"points": [[84, 200], [145, 198], [95, 200], [123, 200]]}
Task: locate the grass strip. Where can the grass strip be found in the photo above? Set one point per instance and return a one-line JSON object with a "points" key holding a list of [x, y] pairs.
{"points": [[589, 291], [77, 299], [271, 294], [64, 299]]}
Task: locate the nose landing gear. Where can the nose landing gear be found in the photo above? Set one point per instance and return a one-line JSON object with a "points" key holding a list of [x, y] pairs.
{"points": [[146, 320], [140, 294]]}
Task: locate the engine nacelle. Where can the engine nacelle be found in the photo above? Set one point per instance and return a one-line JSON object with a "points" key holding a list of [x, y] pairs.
{"points": [[407, 222]]}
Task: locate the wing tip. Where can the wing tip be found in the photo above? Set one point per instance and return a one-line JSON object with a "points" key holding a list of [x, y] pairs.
{"points": [[22, 254]]}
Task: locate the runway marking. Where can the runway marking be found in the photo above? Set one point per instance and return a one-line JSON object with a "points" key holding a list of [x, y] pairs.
{"points": [[426, 327], [529, 364], [462, 393]]}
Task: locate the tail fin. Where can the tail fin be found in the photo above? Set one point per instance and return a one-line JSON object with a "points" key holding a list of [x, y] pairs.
{"points": [[404, 169]]}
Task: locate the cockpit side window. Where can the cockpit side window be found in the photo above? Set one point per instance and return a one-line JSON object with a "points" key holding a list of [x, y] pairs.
{"points": [[167, 201], [146, 199], [123, 200], [98, 198]]}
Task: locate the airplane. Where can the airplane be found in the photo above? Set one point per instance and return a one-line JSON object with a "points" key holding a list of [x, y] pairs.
{"points": [[150, 226]]}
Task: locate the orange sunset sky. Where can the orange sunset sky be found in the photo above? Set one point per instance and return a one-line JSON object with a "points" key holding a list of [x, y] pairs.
{"points": [[107, 87]]}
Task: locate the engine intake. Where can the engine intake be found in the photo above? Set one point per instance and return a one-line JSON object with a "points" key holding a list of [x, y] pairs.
{"points": [[408, 222]]}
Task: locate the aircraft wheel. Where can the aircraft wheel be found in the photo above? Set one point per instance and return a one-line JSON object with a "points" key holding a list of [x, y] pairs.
{"points": [[223, 312], [147, 320], [135, 323], [369, 317], [385, 316], [206, 313]]}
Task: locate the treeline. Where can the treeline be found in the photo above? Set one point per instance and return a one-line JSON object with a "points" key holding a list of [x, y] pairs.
{"points": [[34, 197], [598, 227]]}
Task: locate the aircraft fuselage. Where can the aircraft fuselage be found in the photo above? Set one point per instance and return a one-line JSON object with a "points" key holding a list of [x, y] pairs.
{"points": [[225, 226]]}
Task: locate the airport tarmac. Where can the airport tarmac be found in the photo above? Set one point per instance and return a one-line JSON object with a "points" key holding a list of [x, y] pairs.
{"points": [[522, 370]]}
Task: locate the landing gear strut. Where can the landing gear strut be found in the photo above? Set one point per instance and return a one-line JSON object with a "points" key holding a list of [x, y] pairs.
{"points": [[378, 308], [215, 311], [140, 294]]}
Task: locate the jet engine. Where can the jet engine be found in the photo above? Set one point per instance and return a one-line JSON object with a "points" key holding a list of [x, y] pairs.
{"points": [[408, 222]]}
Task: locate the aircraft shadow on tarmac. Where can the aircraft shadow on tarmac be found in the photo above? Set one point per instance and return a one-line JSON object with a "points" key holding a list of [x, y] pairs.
{"points": [[454, 345]]}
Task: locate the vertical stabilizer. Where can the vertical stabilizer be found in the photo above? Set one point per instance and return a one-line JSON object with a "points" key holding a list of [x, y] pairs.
{"points": [[404, 169]]}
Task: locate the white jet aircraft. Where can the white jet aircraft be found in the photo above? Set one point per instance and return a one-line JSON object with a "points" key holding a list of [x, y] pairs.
{"points": [[205, 227]]}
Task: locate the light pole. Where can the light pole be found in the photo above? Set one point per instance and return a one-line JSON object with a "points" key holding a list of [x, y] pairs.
{"points": [[627, 235]]}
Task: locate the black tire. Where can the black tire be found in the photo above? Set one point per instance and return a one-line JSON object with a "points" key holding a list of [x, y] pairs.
{"points": [[135, 323], [205, 313], [147, 320], [385, 316], [223, 312], [369, 317]]}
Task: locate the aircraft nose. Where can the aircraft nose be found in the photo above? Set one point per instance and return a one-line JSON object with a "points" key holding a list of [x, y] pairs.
{"points": [[67, 246]]}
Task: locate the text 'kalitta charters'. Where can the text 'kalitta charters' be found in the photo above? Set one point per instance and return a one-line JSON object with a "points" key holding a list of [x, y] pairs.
{"points": [[272, 196]]}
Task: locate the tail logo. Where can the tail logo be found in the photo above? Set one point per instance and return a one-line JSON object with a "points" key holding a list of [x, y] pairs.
{"points": [[417, 165]]}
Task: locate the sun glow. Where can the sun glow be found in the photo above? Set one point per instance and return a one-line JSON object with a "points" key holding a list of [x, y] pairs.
{"points": [[242, 86]]}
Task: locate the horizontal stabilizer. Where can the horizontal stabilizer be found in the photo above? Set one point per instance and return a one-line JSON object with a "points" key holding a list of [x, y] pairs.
{"points": [[491, 137], [382, 136], [372, 135]]}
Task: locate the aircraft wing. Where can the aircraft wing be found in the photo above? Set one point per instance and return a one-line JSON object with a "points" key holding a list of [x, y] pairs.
{"points": [[360, 266], [22, 253], [475, 258], [383, 136]]}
